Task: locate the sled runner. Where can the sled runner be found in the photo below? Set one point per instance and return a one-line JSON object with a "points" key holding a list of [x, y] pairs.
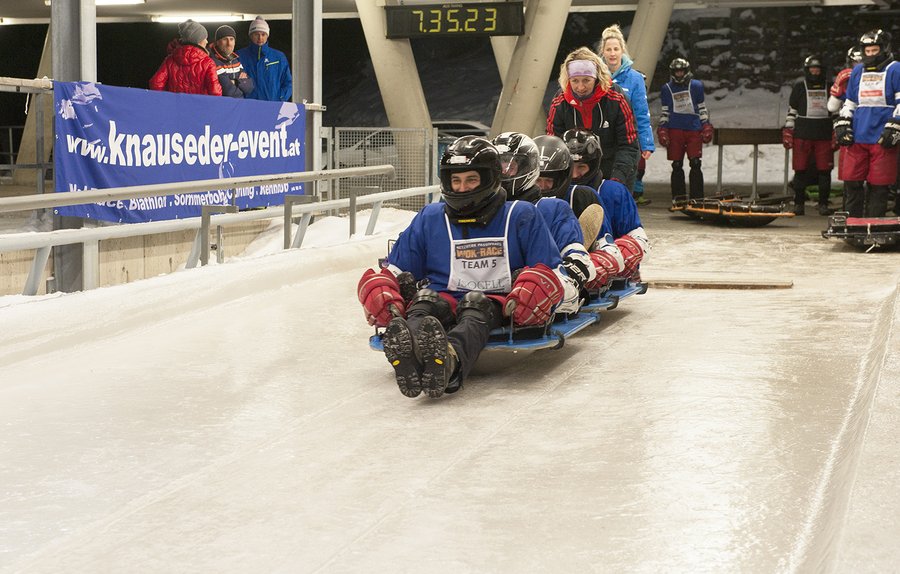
{"points": [[609, 298]]}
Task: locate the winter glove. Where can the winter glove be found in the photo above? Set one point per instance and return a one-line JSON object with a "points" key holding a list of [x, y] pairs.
{"points": [[577, 270], [662, 133], [787, 138], [632, 253], [379, 293], [890, 137], [843, 131], [706, 132], [606, 266], [534, 293]]}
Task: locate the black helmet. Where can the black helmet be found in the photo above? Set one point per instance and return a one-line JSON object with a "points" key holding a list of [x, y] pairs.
{"points": [[813, 62], [878, 38], [854, 56], [519, 159], [681, 64], [584, 147], [555, 163], [470, 153]]}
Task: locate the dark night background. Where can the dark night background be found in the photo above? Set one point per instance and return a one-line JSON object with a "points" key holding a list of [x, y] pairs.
{"points": [[728, 48]]}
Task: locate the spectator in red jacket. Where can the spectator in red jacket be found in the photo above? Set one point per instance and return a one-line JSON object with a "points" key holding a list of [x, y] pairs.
{"points": [[188, 68]]}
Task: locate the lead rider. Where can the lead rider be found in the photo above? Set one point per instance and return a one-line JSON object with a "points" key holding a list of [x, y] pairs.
{"points": [[475, 237]]}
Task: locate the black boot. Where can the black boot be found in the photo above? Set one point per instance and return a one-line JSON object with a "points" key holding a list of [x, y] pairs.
{"points": [[439, 360], [402, 353], [676, 180], [696, 179]]}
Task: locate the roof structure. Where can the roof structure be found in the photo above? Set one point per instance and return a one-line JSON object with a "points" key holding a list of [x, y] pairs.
{"points": [[39, 12]]}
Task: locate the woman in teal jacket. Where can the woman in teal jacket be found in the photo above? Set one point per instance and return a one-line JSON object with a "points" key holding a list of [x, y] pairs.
{"points": [[614, 53]]}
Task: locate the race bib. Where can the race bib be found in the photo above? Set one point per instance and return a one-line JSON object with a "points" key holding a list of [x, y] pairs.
{"points": [[817, 103], [480, 265], [871, 89], [682, 103]]}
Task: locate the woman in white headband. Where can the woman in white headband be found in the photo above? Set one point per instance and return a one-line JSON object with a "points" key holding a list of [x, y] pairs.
{"points": [[587, 100]]}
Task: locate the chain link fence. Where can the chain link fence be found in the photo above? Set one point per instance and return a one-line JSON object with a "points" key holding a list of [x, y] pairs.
{"points": [[410, 150]]}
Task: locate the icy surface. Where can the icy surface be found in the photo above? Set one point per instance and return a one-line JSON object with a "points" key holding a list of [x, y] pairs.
{"points": [[233, 419]]}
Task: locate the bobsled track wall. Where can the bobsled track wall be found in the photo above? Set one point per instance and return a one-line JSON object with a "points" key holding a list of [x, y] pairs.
{"points": [[819, 542]]}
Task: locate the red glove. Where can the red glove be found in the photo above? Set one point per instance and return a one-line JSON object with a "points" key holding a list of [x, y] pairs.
{"points": [[378, 292], [839, 88], [534, 294], [662, 133], [606, 266], [632, 253], [787, 137], [706, 132]]}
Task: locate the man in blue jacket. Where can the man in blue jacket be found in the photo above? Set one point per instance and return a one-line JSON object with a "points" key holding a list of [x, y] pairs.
{"points": [[266, 66]]}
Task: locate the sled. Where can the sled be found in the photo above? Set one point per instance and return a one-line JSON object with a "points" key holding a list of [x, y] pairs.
{"points": [[609, 298], [552, 336], [732, 210], [871, 232]]}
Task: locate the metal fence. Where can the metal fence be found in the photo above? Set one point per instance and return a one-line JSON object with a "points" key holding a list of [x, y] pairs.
{"points": [[9, 143], [410, 150]]}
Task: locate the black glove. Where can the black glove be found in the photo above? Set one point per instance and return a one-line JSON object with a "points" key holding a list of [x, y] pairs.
{"points": [[890, 137], [577, 270], [843, 131]]}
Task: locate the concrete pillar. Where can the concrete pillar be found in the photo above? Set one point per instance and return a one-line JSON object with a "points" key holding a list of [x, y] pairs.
{"points": [[306, 69], [504, 46], [73, 30], [532, 61], [395, 70], [73, 27], [648, 32], [401, 92]]}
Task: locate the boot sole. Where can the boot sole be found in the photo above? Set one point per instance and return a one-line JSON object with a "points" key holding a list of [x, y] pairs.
{"points": [[432, 340], [400, 352]]}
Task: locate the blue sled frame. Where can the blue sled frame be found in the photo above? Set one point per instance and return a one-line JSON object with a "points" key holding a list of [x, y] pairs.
{"points": [[554, 334]]}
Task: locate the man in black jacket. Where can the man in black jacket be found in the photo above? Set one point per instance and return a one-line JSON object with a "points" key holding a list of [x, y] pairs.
{"points": [[234, 80], [807, 130]]}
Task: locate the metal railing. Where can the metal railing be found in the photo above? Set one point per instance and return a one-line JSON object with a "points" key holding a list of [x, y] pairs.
{"points": [[42, 242]]}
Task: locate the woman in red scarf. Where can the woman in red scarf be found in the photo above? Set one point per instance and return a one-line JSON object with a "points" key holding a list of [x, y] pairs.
{"points": [[588, 99]]}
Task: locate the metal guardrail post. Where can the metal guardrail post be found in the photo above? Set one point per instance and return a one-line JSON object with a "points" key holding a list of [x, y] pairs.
{"points": [[376, 209], [41, 256], [719, 170], [90, 265], [753, 193], [352, 193], [291, 199], [39, 141], [206, 213]]}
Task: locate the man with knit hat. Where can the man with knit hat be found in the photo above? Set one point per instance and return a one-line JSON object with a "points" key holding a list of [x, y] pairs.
{"points": [[235, 81], [266, 66], [188, 68]]}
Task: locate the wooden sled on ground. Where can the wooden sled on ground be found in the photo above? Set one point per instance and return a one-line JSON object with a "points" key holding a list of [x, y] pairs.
{"points": [[868, 232], [554, 334], [733, 210]]}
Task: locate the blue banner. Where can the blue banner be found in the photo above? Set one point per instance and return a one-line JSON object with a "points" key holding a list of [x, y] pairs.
{"points": [[108, 136]]}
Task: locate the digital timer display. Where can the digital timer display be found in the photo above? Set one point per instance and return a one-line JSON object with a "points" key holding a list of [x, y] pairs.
{"points": [[486, 19]]}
